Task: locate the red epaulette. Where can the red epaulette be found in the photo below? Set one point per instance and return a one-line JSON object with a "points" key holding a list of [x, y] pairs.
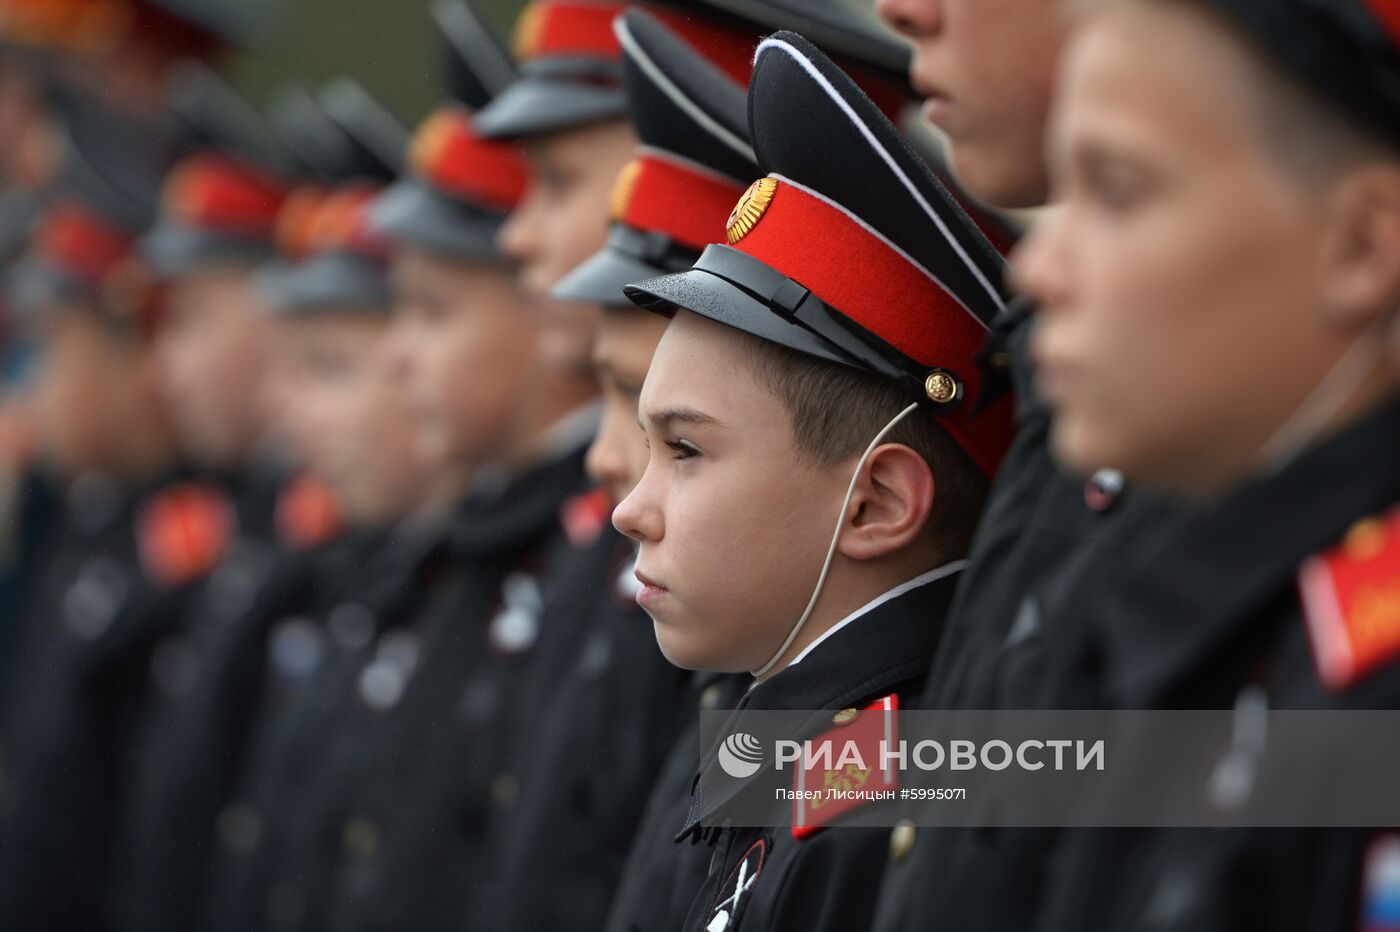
{"points": [[1351, 601], [831, 785], [184, 532], [307, 513], [586, 515]]}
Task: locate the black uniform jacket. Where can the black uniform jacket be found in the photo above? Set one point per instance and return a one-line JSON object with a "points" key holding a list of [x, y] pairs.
{"points": [[598, 715], [1039, 540], [1207, 611], [765, 878], [660, 876]]}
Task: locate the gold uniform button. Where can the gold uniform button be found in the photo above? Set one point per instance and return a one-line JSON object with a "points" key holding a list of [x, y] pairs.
{"points": [[941, 387], [504, 789], [239, 827], [1366, 539], [845, 716], [902, 839], [709, 699], [360, 837]]}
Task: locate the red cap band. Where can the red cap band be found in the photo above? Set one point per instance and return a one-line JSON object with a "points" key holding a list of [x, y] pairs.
{"points": [[1388, 12], [845, 263], [80, 243], [449, 155], [217, 194], [661, 193], [293, 230], [570, 28], [341, 222]]}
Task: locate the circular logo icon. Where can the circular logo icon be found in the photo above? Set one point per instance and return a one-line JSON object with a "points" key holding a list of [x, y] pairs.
{"points": [[740, 755]]}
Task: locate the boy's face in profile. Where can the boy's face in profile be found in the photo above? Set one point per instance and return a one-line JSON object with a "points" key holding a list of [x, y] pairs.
{"points": [[347, 416], [622, 353], [84, 383], [733, 524], [562, 221], [214, 345], [465, 350], [1151, 272], [985, 69]]}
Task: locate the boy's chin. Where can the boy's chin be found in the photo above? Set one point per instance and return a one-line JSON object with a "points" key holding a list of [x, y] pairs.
{"points": [[688, 654]]}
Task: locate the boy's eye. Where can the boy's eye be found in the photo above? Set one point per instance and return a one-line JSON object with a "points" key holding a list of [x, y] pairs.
{"points": [[681, 450], [1116, 188]]}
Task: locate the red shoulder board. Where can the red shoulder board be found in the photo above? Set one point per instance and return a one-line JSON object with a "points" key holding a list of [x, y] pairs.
{"points": [[845, 768], [307, 513], [1351, 602], [183, 532], [586, 515]]}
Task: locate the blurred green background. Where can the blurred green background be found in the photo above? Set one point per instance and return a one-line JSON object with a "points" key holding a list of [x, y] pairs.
{"points": [[387, 45]]}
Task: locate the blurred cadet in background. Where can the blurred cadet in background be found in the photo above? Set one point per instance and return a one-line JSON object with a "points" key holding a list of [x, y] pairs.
{"points": [[219, 208], [345, 413], [1268, 218], [98, 580], [73, 74], [384, 827]]}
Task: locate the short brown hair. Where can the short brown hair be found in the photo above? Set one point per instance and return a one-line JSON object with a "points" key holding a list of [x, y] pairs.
{"points": [[837, 410]]}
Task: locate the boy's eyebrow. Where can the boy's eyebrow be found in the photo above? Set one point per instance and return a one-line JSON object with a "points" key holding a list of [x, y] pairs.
{"points": [[665, 418]]}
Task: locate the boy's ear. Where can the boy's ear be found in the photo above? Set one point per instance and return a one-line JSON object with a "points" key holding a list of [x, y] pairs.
{"points": [[1363, 248], [891, 504]]}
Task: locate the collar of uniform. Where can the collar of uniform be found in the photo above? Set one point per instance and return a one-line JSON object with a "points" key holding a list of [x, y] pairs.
{"points": [[573, 430], [1197, 585], [923, 579], [851, 668], [504, 523]]}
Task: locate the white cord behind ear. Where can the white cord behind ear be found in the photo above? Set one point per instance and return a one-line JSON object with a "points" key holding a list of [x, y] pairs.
{"points": [[835, 539], [1332, 392]]}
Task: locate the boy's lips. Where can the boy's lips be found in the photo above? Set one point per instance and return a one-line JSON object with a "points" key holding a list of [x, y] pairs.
{"points": [[935, 110], [651, 591], [936, 104], [1055, 377]]}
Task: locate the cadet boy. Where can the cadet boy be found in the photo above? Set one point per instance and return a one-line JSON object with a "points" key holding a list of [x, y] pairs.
{"points": [[344, 412], [426, 716], [346, 416], [853, 293], [106, 444], [1244, 249], [217, 223], [665, 206], [986, 70]]}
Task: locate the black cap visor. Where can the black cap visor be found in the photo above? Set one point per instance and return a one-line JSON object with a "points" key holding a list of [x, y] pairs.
{"points": [[333, 281], [33, 286], [414, 213], [172, 250], [551, 97], [630, 255]]}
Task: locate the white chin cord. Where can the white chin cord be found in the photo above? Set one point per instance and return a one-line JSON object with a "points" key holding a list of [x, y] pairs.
{"points": [[1311, 418], [835, 539]]}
